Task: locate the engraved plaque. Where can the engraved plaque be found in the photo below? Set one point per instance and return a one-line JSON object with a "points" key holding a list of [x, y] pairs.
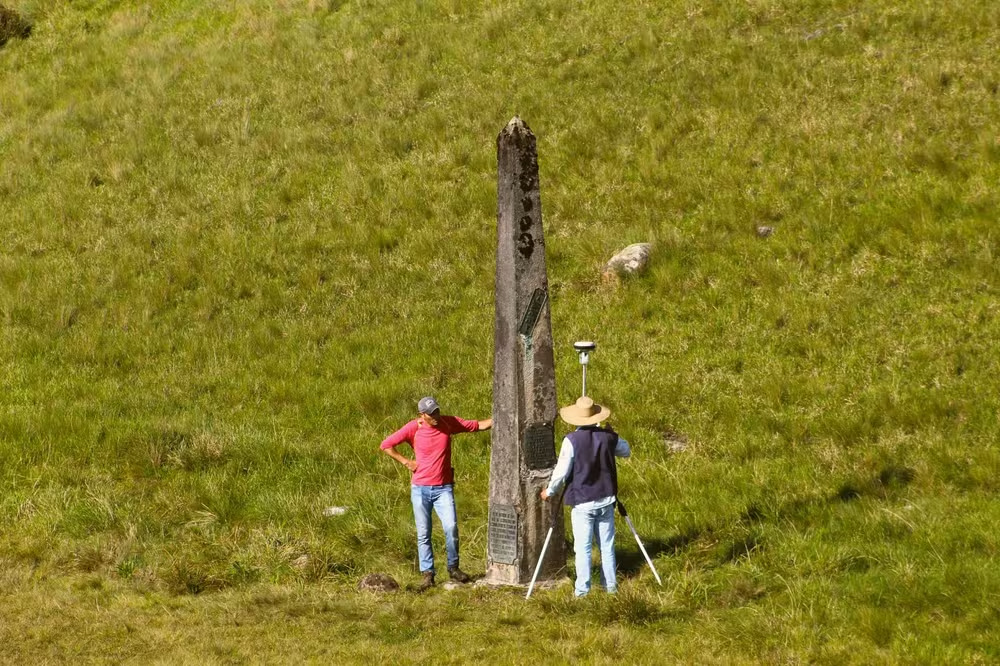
{"points": [[503, 534], [539, 446], [530, 317]]}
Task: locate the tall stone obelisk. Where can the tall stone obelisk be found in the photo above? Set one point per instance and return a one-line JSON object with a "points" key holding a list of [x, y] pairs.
{"points": [[524, 384]]}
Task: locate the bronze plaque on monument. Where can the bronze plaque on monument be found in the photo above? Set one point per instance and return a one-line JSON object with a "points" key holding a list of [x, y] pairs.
{"points": [[502, 535], [539, 450]]}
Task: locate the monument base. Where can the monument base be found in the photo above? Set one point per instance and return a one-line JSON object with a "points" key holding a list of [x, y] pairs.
{"points": [[551, 584]]}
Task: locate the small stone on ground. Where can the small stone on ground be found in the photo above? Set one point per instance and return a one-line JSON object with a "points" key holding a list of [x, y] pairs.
{"points": [[378, 582], [675, 441], [632, 260]]}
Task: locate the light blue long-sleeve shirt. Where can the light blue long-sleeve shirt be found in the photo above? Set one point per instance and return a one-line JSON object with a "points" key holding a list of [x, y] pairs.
{"points": [[565, 464]]}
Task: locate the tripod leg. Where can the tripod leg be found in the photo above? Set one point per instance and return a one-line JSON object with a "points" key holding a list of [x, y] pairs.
{"points": [[643, 549]]}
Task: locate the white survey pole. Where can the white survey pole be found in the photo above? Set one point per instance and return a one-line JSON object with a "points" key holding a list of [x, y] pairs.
{"points": [[538, 567]]}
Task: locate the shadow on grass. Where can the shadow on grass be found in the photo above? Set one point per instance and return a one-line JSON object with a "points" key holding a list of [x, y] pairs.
{"points": [[12, 26], [631, 561], [884, 485], [890, 480], [742, 539]]}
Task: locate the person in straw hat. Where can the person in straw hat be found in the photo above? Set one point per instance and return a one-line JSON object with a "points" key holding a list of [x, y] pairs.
{"points": [[587, 461]]}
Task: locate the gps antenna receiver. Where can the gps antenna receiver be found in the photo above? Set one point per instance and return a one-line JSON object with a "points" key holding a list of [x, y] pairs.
{"points": [[584, 348]]}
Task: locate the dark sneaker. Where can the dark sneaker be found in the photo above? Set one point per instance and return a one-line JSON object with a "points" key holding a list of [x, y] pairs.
{"points": [[458, 575], [427, 582]]}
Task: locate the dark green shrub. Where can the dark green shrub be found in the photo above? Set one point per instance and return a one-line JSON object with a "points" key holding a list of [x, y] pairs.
{"points": [[12, 25]]}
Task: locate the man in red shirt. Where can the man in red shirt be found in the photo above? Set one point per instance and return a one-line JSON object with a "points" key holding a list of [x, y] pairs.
{"points": [[433, 480]]}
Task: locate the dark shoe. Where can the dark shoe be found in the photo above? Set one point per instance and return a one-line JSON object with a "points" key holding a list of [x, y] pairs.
{"points": [[427, 582], [458, 575]]}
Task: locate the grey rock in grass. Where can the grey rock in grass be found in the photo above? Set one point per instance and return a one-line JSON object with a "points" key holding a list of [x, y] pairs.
{"points": [[450, 585], [675, 442], [764, 231], [629, 261], [378, 582], [819, 32], [301, 562], [331, 511]]}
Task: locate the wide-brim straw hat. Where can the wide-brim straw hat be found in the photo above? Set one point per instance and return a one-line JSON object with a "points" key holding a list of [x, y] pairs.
{"points": [[584, 412]]}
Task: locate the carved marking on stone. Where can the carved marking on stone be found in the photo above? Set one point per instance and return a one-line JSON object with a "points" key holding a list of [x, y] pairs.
{"points": [[525, 244], [503, 534], [530, 318], [539, 446]]}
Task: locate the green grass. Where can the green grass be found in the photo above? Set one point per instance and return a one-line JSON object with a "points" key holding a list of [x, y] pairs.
{"points": [[238, 241]]}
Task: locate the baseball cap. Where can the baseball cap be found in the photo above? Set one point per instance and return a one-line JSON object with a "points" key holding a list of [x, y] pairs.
{"points": [[427, 405]]}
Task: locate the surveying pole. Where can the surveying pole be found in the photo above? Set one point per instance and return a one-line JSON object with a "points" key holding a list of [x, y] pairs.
{"points": [[584, 348]]}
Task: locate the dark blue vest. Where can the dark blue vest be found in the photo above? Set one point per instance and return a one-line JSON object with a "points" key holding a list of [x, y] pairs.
{"points": [[594, 474]]}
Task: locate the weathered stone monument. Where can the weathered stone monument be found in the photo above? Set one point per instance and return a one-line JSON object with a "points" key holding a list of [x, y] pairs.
{"points": [[524, 386]]}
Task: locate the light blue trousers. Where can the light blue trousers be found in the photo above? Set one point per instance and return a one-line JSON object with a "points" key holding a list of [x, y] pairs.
{"points": [[442, 500], [588, 524]]}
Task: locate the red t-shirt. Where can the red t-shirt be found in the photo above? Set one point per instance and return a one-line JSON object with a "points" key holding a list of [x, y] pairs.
{"points": [[431, 447]]}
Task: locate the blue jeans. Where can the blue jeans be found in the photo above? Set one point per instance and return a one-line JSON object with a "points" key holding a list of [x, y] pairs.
{"points": [[588, 523], [442, 499]]}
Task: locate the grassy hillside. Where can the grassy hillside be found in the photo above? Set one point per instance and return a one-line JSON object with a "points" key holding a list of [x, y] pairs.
{"points": [[238, 241]]}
